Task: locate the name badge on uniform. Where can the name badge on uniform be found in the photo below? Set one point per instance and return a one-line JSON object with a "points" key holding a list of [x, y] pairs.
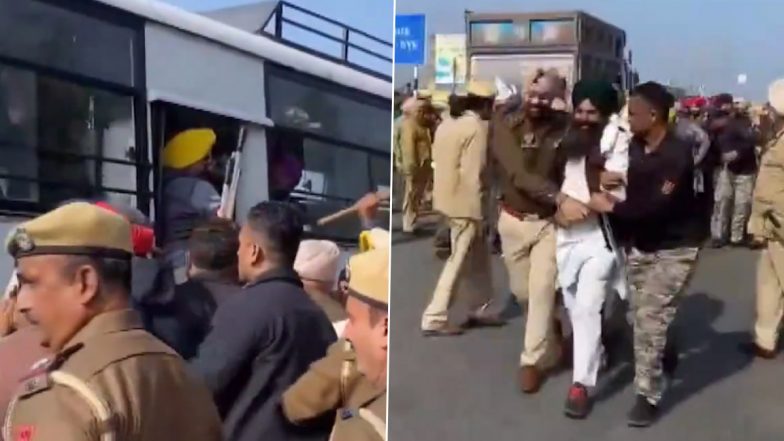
{"points": [[529, 141], [35, 384]]}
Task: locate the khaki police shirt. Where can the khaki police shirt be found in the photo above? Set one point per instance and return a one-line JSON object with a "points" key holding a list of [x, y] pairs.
{"points": [[329, 384], [334, 384], [18, 353], [527, 162], [353, 424], [415, 145], [460, 155], [767, 206], [143, 383]]}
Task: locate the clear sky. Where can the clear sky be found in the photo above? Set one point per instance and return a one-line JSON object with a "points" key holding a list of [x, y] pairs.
{"points": [[689, 42], [372, 16]]}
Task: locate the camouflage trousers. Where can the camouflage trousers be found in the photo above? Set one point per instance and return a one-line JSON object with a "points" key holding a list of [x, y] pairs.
{"points": [[732, 206], [658, 281]]}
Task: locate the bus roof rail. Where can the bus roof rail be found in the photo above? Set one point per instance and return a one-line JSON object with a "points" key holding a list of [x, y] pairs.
{"points": [[376, 52]]}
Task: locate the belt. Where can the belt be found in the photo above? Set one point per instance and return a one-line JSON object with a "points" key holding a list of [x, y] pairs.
{"points": [[519, 215]]}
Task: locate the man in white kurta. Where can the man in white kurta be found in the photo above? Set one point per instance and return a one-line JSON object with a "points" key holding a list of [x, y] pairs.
{"points": [[588, 259]]}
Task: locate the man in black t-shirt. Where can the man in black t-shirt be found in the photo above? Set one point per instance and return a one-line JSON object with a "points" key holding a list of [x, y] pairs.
{"points": [[662, 230], [734, 145]]}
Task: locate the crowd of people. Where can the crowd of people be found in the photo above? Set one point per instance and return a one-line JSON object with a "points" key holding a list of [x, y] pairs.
{"points": [[595, 205], [212, 331]]}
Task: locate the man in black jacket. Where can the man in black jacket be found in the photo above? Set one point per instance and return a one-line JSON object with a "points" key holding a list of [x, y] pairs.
{"points": [[734, 145], [182, 316], [267, 335], [660, 225]]}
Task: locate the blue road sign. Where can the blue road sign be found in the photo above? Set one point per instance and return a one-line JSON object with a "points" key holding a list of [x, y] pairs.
{"points": [[410, 39]]}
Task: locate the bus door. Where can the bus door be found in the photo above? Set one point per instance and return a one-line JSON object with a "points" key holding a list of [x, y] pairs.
{"points": [[223, 172]]}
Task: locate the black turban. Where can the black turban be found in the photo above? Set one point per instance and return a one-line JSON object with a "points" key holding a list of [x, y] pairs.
{"points": [[722, 99], [600, 93], [657, 96]]}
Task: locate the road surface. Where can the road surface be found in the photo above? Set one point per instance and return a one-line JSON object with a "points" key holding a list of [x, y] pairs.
{"points": [[464, 388]]}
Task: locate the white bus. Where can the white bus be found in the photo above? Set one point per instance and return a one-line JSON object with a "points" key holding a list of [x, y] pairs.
{"points": [[91, 90]]}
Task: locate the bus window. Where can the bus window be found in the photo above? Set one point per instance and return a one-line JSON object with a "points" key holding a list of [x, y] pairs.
{"points": [[70, 105], [311, 106], [72, 42], [61, 140], [318, 157], [178, 119], [169, 121], [322, 177], [286, 158]]}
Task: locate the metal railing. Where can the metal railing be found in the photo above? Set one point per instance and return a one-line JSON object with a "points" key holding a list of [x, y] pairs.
{"points": [[276, 25]]}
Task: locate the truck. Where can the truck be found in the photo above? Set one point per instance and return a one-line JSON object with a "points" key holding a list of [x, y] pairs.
{"points": [[513, 46]]}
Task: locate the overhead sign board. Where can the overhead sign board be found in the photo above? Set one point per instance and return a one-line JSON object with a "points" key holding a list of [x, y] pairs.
{"points": [[410, 39], [450, 55]]}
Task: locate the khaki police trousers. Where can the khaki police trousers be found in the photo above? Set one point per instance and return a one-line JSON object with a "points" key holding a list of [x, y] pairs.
{"points": [[416, 186], [467, 271], [529, 254], [770, 296]]}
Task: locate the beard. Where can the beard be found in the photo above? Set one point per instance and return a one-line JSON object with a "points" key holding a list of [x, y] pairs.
{"points": [[581, 139]]}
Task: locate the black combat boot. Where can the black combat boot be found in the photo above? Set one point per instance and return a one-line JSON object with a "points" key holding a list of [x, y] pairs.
{"points": [[643, 414]]}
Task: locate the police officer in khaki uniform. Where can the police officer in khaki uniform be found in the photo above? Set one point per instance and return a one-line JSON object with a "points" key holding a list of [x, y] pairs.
{"points": [[460, 152], [109, 379], [524, 147], [330, 384], [765, 225], [363, 417], [334, 382], [415, 149]]}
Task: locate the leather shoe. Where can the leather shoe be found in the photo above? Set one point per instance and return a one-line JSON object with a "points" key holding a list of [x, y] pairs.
{"points": [[485, 321], [754, 350], [443, 331], [443, 253], [531, 379]]}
